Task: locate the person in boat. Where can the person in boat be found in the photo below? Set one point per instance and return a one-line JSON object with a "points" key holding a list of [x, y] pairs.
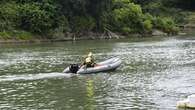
{"points": [[89, 60]]}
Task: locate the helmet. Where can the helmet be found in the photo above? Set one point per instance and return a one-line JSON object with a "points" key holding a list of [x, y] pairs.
{"points": [[90, 54]]}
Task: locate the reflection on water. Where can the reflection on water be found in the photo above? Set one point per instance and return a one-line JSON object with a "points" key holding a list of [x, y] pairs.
{"points": [[155, 74], [90, 95]]}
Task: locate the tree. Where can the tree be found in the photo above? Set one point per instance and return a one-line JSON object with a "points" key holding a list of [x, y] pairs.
{"points": [[128, 16], [34, 19], [8, 16]]}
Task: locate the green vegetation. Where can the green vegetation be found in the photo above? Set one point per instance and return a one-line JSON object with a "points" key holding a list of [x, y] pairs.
{"points": [[16, 35], [22, 19]]}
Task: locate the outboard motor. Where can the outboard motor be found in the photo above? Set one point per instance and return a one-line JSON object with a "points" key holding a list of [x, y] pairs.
{"points": [[74, 68]]}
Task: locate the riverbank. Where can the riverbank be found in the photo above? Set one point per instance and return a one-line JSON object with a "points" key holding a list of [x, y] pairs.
{"points": [[59, 37], [29, 38]]}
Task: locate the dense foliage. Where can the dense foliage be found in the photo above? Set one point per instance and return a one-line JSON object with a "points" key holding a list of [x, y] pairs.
{"points": [[48, 17]]}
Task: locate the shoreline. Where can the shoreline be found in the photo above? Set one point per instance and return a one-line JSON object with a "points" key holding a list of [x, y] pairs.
{"points": [[63, 39], [92, 36]]}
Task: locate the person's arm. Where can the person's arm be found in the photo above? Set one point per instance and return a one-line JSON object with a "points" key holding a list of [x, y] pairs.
{"points": [[83, 63], [92, 59]]}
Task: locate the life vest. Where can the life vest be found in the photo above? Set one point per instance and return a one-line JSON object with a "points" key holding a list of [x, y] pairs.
{"points": [[88, 60]]}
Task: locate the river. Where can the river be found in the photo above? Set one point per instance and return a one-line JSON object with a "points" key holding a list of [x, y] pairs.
{"points": [[154, 75]]}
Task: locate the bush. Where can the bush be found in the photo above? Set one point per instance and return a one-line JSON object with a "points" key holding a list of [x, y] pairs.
{"points": [[22, 35], [126, 30], [34, 19], [8, 16], [166, 24], [147, 24], [5, 35], [130, 15], [82, 24], [16, 34]]}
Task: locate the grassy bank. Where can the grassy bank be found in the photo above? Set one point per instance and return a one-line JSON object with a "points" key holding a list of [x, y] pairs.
{"points": [[16, 35]]}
